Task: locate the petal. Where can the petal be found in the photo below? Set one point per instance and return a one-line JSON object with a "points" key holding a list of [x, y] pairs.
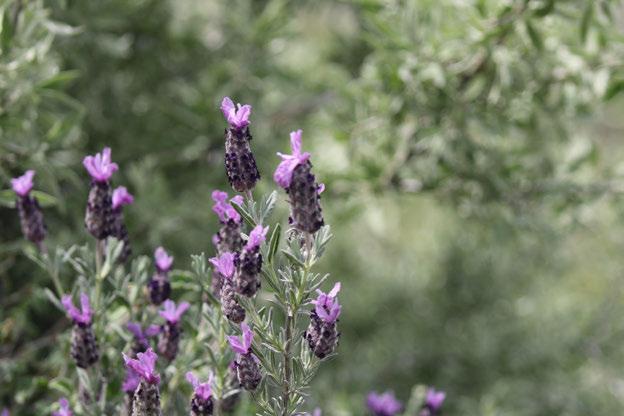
{"points": [[190, 377], [227, 107], [334, 292], [295, 141]]}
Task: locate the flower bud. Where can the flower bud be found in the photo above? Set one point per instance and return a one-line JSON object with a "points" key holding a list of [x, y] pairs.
{"points": [[31, 217]]}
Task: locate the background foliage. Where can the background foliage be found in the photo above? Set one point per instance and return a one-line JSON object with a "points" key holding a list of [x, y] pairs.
{"points": [[470, 150]]}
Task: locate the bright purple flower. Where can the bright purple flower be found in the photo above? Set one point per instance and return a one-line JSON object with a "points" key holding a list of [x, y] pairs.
{"points": [[202, 390], [144, 365], [171, 313], [64, 410], [283, 173], [131, 382], [140, 334], [383, 404], [122, 197], [5, 412], [326, 305], [224, 264], [163, 260], [223, 209], [256, 237], [434, 399], [78, 316], [100, 166], [22, 185], [242, 345], [237, 116]]}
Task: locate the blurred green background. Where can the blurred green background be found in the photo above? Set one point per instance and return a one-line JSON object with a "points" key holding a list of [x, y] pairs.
{"points": [[471, 151]]}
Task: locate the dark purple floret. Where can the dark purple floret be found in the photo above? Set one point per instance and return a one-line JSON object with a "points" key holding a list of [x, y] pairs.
{"points": [[31, 216], [120, 198], [240, 164], [229, 236], [247, 279]]}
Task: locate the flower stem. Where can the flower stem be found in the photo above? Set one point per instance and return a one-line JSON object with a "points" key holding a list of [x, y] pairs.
{"points": [[287, 367]]}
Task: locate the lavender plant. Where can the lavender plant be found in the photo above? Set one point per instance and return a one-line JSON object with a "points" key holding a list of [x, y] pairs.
{"points": [[269, 344]]}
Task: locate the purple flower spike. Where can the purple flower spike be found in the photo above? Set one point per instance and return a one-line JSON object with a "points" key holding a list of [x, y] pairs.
{"points": [[224, 264], [22, 185], [383, 404], [284, 172], [144, 365], [237, 116], [202, 390], [242, 345], [434, 399], [131, 382], [122, 197], [163, 260], [173, 314], [223, 209], [78, 316], [256, 237], [64, 410], [327, 306], [100, 166]]}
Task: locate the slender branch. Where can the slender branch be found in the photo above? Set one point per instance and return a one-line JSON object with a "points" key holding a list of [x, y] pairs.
{"points": [[287, 358]]}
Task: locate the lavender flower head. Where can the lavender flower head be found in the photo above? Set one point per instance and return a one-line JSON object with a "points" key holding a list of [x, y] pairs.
{"points": [[242, 345], [100, 166], [223, 209], [80, 317], [144, 365], [201, 390], [326, 305], [383, 404], [171, 313], [256, 237], [22, 185], [31, 217], [224, 264], [121, 197], [434, 401], [163, 260], [237, 116], [131, 382], [284, 172], [141, 337], [64, 408]]}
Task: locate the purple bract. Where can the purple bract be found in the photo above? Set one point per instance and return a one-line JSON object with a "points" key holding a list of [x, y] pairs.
{"points": [[283, 173], [242, 345], [22, 185], [100, 166], [224, 264], [237, 116], [326, 305], [82, 316], [144, 365], [256, 237], [202, 390], [163, 260], [122, 197], [171, 313], [383, 404]]}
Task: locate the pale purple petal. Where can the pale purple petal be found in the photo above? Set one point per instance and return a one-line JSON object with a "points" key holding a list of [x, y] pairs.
{"points": [[295, 142], [236, 344], [247, 336], [163, 260], [223, 209], [100, 166], [152, 330], [334, 292], [22, 185], [224, 264], [78, 316], [144, 365], [171, 313], [284, 171], [191, 378], [227, 107], [203, 390], [131, 381], [321, 188], [236, 116], [5, 412], [135, 329], [64, 408], [435, 399], [238, 200], [327, 306], [122, 197], [256, 237], [383, 405]]}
